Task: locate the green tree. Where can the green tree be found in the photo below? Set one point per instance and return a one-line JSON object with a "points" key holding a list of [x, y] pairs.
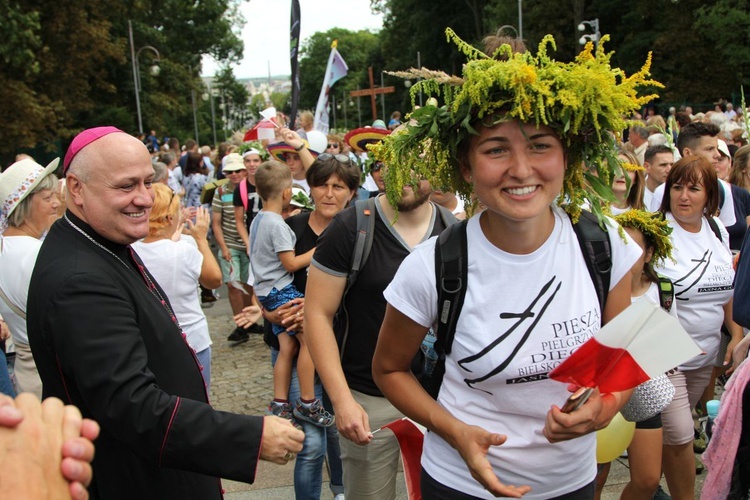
{"points": [[727, 26], [69, 67], [359, 49]]}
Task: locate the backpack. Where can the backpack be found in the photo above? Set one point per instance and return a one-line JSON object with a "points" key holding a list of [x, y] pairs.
{"points": [[366, 212], [451, 271], [666, 292]]}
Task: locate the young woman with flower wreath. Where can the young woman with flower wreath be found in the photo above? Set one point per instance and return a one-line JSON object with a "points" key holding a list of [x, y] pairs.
{"points": [[651, 232], [515, 130]]}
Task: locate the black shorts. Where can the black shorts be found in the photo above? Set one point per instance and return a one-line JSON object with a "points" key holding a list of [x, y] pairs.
{"points": [[650, 423], [433, 490]]}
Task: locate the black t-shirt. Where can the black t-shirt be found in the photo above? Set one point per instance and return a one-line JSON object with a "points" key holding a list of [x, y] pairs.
{"points": [[741, 199], [306, 240], [254, 203], [364, 303]]}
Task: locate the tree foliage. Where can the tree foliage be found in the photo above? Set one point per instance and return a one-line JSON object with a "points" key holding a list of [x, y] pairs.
{"points": [[69, 67], [360, 50]]}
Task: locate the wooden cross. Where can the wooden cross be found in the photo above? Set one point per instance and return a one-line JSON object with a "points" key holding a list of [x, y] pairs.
{"points": [[372, 92]]}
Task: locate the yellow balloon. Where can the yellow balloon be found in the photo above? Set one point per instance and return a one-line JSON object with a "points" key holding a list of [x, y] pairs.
{"points": [[614, 439]]}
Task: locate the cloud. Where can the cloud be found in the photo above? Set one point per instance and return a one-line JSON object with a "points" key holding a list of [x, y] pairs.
{"points": [[266, 32]]}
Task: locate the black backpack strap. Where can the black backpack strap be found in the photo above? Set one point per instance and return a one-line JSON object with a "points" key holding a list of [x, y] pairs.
{"points": [[666, 292], [365, 210], [597, 252], [451, 271], [714, 227]]}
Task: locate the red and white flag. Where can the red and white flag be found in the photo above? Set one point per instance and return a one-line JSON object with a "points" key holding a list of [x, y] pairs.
{"points": [[335, 71], [264, 129], [410, 437], [641, 342]]}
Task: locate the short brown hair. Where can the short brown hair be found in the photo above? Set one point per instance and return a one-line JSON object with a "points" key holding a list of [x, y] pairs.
{"points": [[271, 179], [695, 170]]}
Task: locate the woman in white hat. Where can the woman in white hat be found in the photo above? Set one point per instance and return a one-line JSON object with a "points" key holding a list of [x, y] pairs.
{"points": [[28, 193]]}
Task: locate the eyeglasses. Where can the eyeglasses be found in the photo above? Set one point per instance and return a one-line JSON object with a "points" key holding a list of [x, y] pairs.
{"points": [[333, 146], [338, 158]]}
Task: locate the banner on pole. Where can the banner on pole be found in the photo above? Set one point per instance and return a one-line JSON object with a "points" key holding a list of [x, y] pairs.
{"points": [[335, 71]]}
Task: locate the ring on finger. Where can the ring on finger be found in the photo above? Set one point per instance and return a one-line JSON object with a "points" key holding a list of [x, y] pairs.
{"points": [[288, 456]]}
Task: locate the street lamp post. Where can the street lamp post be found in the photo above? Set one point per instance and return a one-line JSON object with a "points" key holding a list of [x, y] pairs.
{"points": [[137, 73], [195, 115], [206, 96], [594, 25]]}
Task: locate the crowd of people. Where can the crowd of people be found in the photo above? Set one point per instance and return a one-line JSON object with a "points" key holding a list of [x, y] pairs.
{"points": [[334, 252]]}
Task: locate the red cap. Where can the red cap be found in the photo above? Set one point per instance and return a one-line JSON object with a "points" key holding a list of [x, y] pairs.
{"points": [[84, 139]]}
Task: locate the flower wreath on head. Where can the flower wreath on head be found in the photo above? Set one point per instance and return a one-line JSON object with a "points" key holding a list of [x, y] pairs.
{"points": [[256, 145], [655, 229], [584, 101]]}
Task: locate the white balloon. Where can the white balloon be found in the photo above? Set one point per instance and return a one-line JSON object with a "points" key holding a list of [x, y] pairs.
{"points": [[318, 141]]}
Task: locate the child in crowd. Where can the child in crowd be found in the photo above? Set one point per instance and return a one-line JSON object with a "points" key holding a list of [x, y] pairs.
{"points": [[651, 232], [273, 260]]}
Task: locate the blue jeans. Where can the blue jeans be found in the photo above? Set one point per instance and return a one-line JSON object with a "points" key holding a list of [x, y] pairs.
{"points": [[6, 386], [204, 358], [308, 467]]}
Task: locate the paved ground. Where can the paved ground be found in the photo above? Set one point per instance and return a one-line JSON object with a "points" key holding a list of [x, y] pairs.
{"points": [[242, 383]]}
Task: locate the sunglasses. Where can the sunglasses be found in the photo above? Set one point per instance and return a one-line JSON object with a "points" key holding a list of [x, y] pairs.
{"points": [[376, 166], [338, 158], [333, 146]]}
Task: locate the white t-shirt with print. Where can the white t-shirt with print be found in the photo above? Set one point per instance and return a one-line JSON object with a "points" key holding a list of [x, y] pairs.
{"points": [[176, 266], [538, 308], [702, 278]]}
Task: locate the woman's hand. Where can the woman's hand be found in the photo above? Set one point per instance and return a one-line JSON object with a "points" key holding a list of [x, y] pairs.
{"points": [[473, 443], [199, 228], [592, 416], [290, 315], [292, 138]]}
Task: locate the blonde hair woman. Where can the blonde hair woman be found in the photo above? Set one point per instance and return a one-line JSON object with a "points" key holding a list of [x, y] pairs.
{"points": [[179, 265]]}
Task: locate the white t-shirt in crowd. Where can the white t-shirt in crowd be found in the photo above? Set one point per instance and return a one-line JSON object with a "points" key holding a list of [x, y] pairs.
{"points": [[538, 308], [648, 196], [302, 184], [726, 216], [17, 259], [176, 266], [703, 280]]}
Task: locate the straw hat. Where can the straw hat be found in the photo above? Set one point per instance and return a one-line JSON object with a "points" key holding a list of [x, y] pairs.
{"points": [[279, 149], [359, 138], [18, 181]]}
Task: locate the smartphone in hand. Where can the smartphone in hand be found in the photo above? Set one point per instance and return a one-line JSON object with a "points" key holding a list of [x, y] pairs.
{"points": [[577, 399]]}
